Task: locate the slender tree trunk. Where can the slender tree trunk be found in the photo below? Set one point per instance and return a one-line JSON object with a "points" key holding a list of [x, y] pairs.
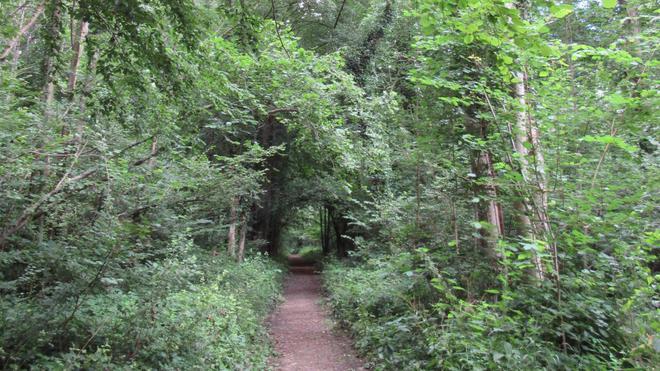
{"points": [[525, 206], [233, 220], [86, 90], [17, 47], [241, 243], [454, 223], [53, 40], [323, 229], [536, 204], [154, 151], [328, 229], [451, 198], [418, 199], [77, 47], [339, 226]]}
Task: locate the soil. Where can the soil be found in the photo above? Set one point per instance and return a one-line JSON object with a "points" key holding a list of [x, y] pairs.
{"points": [[300, 327]]}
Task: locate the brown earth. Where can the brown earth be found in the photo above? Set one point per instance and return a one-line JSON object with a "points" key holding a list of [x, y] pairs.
{"points": [[299, 329]]}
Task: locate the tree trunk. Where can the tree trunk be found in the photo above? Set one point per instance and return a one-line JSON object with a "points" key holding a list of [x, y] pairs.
{"points": [[154, 151], [233, 220], [77, 47], [241, 243], [17, 47], [488, 210], [53, 36], [323, 222], [268, 217], [525, 207], [340, 227], [633, 17], [86, 90], [494, 214], [454, 223]]}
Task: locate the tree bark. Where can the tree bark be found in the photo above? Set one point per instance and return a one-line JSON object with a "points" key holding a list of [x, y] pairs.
{"points": [[488, 210]]}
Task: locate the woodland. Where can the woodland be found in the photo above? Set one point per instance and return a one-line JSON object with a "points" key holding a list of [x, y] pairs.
{"points": [[476, 180]]}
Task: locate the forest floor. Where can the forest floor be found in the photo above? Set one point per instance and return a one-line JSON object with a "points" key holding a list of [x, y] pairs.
{"points": [[299, 327]]}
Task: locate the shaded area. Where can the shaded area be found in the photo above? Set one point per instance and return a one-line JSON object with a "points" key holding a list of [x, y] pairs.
{"points": [[302, 338]]}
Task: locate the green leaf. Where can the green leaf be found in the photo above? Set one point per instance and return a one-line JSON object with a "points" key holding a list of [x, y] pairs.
{"points": [[609, 4], [561, 11], [617, 99], [608, 139]]}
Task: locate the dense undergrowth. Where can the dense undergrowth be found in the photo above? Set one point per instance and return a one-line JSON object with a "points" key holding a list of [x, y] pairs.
{"points": [[488, 169], [410, 311], [188, 311]]}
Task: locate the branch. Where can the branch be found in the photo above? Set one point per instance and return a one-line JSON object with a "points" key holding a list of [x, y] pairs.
{"points": [[89, 286], [278, 110], [602, 155], [277, 29], [145, 159], [23, 30], [32, 210], [18, 9], [339, 14], [139, 210]]}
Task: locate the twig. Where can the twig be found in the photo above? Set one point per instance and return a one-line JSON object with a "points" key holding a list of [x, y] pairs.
{"points": [[98, 274], [602, 155], [23, 30], [277, 29], [339, 14]]}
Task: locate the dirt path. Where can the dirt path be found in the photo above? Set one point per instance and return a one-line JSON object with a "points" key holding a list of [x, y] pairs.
{"points": [[299, 330]]}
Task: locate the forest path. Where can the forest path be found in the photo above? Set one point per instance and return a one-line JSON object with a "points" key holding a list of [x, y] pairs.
{"points": [[298, 327]]}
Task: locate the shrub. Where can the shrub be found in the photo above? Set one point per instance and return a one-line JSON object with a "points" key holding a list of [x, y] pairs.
{"points": [[189, 311], [405, 312]]}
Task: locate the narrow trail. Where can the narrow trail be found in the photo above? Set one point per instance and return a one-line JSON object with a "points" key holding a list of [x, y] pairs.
{"points": [[303, 340]]}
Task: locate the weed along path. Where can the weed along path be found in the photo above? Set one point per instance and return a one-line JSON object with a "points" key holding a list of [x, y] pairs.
{"points": [[303, 340]]}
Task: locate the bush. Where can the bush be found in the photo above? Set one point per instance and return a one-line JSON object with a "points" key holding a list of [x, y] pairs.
{"points": [[189, 311], [380, 303], [407, 313]]}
